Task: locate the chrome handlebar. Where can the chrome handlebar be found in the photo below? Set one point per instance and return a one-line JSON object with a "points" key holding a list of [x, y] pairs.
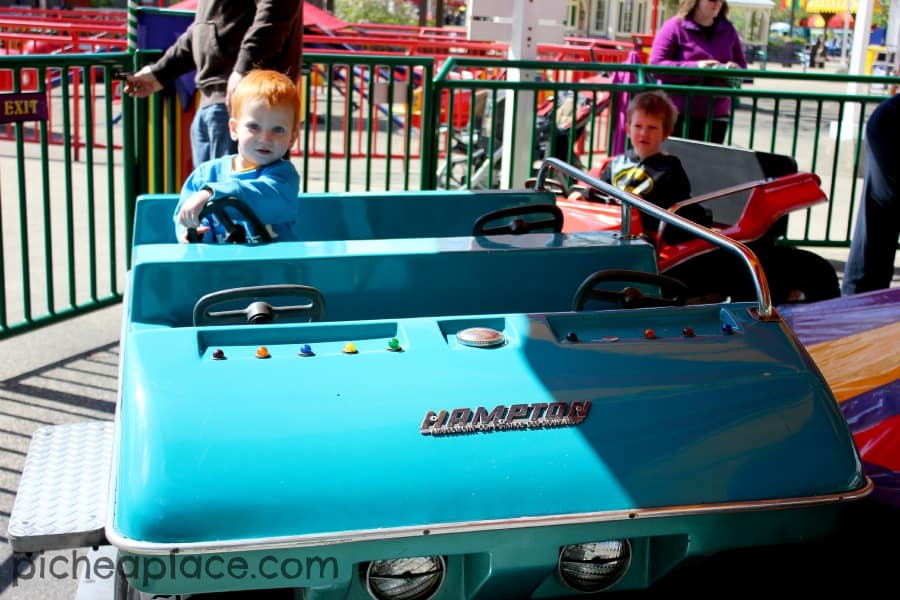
{"points": [[765, 311]]}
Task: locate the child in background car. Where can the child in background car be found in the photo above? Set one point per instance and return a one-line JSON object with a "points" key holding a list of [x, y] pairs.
{"points": [[265, 122], [645, 171]]}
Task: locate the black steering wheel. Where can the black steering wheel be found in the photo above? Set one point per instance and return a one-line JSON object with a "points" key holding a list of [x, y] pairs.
{"points": [[235, 234], [258, 311], [629, 296], [591, 194], [518, 224], [550, 185]]}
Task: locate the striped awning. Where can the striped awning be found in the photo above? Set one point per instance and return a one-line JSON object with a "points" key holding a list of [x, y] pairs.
{"points": [[833, 7]]}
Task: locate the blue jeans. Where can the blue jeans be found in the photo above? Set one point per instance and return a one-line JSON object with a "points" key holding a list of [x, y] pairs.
{"points": [[870, 265], [210, 137]]}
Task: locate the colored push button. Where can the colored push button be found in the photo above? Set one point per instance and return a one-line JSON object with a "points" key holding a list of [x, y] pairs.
{"points": [[727, 328], [306, 350], [649, 334], [218, 354], [688, 332], [263, 352], [571, 337], [394, 345], [480, 337], [350, 348]]}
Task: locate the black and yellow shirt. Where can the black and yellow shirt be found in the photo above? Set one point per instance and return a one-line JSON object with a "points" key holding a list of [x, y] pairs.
{"points": [[659, 179]]}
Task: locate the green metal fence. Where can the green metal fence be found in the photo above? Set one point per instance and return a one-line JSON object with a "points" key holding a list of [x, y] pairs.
{"points": [[371, 123], [812, 117], [64, 189], [367, 123]]}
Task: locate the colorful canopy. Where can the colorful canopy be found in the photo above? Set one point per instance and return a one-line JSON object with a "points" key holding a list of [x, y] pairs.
{"points": [[833, 7], [855, 341], [830, 7]]}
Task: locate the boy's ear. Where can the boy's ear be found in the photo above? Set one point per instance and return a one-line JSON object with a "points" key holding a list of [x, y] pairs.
{"points": [[233, 127]]}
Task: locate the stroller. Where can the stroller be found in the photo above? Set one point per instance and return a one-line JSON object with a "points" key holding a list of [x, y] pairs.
{"points": [[560, 124]]}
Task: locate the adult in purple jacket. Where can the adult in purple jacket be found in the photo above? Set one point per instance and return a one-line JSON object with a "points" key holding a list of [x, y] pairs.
{"points": [[700, 35]]}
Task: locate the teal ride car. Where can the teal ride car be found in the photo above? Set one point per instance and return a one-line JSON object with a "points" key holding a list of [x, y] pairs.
{"points": [[507, 412]]}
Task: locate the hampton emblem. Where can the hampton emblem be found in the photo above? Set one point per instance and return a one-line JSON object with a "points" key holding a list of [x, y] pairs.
{"points": [[539, 415]]}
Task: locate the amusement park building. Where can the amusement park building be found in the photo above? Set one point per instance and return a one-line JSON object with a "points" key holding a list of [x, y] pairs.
{"points": [[620, 19]]}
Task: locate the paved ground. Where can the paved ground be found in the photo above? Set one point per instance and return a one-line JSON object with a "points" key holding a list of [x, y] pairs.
{"points": [[67, 373], [61, 374]]}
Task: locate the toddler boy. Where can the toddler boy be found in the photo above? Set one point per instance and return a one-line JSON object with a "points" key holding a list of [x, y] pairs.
{"points": [[265, 113]]}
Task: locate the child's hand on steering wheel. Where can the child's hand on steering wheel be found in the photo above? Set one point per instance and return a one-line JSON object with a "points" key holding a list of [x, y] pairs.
{"points": [[189, 215], [186, 235]]}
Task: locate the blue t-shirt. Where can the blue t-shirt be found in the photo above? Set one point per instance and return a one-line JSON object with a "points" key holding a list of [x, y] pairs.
{"points": [[270, 191]]}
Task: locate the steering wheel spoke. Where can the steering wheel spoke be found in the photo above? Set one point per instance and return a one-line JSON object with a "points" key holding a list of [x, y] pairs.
{"points": [[518, 222], [550, 185], [259, 310], [235, 233], [629, 296]]}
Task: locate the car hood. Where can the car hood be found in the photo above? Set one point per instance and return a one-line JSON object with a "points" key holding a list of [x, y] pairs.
{"points": [[615, 418]]}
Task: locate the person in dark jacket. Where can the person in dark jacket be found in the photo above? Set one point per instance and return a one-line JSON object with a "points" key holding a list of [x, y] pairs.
{"points": [[870, 265], [646, 171], [227, 39], [700, 35]]}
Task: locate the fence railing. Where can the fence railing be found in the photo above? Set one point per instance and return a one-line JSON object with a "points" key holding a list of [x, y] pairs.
{"points": [[367, 122], [66, 187]]}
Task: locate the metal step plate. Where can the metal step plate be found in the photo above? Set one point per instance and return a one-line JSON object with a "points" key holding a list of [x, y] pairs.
{"points": [[62, 497]]}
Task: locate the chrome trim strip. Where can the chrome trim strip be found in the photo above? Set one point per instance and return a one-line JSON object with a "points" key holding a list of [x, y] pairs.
{"points": [[327, 539], [763, 296]]}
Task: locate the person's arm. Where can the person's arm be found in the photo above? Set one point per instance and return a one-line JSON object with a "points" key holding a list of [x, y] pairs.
{"points": [[177, 60], [272, 195], [666, 52], [273, 23], [666, 48], [189, 201], [677, 188], [738, 50], [606, 173]]}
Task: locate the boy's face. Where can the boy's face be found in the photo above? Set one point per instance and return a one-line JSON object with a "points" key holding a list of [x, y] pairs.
{"points": [[263, 133], [647, 133]]}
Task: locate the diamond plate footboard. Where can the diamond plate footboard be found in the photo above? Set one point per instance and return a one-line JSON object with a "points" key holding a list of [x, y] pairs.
{"points": [[62, 497]]}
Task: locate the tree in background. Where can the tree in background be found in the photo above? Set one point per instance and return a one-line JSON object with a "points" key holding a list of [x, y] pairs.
{"points": [[397, 12]]}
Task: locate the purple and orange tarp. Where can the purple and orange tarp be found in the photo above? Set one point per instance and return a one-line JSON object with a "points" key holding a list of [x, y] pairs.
{"points": [[855, 341]]}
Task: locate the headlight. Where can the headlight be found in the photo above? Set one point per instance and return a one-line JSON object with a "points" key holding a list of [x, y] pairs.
{"points": [[595, 566], [417, 578]]}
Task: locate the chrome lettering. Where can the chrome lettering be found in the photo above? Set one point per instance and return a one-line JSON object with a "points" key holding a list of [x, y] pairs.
{"points": [[459, 416], [538, 415]]}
